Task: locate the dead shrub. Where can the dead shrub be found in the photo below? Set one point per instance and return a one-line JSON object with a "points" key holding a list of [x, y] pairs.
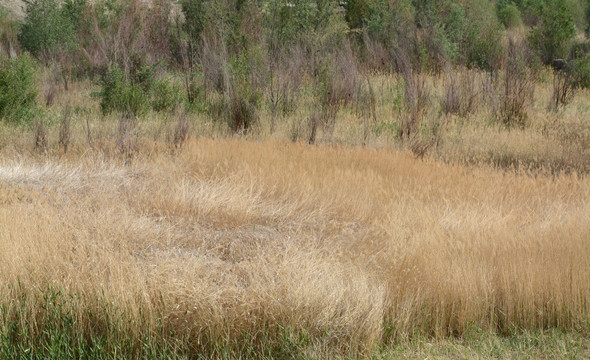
{"points": [[518, 86], [284, 82], [420, 146], [181, 131], [490, 94], [366, 107], [212, 61], [563, 89], [345, 84], [134, 36], [51, 85], [416, 96], [40, 133], [461, 92], [127, 137], [9, 45], [64, 129], [378, 57], [339, 83], [313, 128], [89, 133], [452, 100], [298, 129]]}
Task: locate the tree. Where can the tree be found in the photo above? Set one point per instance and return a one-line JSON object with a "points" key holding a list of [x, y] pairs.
{"points": [[51, 26], [552, 37], [18, 88]]}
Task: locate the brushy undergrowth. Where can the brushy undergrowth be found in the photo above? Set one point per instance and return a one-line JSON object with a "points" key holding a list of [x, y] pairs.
{"points": [[18, 88]]}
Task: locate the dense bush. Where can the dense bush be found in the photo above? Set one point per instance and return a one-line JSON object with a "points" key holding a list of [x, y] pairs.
{"points": [[357, 12], [509, 15], [552, 37], [118, 94], [166, 95], [136, 94], [194, 23], [435, 34], [483, 39], [18, 88], [386, 30], [579, 70], [51, 26], [243, 92]]}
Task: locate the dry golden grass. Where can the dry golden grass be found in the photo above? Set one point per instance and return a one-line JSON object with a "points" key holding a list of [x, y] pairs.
{"points": [[352, 246]]}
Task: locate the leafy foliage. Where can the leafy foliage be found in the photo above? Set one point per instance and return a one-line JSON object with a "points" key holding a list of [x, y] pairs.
{"points": [[138, 93], [552, 37], [18, 88], [166, 95], [510, 15], [118, 94], [51, 26], [579, 70]]}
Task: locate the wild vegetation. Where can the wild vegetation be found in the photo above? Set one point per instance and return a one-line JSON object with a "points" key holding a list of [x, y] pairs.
{"points": [[294, 179], [230, 245]]}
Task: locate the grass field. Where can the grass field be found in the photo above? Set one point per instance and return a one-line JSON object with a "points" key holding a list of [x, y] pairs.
{"points": [[234, 248], [267, 180]]}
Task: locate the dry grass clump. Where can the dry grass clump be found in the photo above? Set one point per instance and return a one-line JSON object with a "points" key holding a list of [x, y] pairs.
{"points": [[230, 240]]}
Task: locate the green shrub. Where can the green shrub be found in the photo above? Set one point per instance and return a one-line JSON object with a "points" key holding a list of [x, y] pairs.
{"points": [[483, 38], [447, 35], [118, 94], [144, 76], [112, 84], [134, 100], [552, 37], [357, 12], [244, 93], [18, 89], [388, 24], [510, 16], [579, 70], [194, 15], [287, 24], [387, 20], [166, 95], [138, 93], [51, 26], [435, 33]]}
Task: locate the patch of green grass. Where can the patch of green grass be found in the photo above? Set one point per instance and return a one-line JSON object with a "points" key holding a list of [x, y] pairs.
{"points": [[550, 344], [48, 327], [51, 326]]}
